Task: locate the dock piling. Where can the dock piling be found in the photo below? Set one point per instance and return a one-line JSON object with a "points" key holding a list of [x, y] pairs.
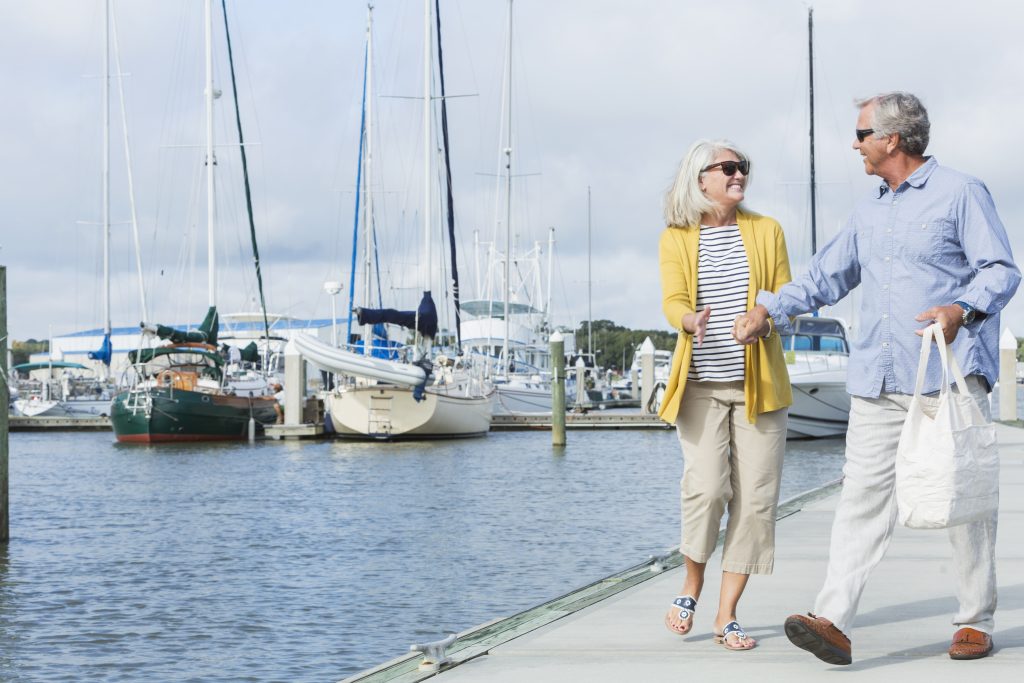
{"points": [[557, 390], [1007, 375], [294, 384], [647, 380], [5, 529]]}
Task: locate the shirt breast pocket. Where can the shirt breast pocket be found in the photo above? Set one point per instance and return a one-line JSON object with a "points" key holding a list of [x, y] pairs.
{"points": [[931, 240]]}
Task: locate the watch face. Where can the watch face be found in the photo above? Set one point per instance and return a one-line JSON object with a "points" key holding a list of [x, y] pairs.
{"points": [[968, 316]]}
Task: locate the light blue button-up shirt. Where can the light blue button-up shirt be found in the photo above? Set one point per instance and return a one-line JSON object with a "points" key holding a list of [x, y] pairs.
{"points": [[935, 240]]}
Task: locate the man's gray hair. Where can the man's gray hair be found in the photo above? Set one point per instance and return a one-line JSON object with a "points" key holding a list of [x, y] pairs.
{"points": [[903, 114], [685, 203]]}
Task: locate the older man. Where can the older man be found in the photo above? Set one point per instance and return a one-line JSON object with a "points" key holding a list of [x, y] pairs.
{"points": [[926, 245]]}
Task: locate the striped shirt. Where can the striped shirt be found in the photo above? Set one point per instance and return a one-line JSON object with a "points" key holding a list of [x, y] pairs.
{"points": [[723, 276]]}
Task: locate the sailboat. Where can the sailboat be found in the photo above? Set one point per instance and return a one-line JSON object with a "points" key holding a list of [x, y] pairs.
{"points": [[817, 352], [429, 395], [182, 391], [512, 335], [56, 388]]}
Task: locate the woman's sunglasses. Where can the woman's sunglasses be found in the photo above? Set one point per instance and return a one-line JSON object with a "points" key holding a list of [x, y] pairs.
{"points": [[729, 168]]}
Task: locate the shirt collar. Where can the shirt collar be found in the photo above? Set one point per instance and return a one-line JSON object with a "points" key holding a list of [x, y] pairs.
{"points": [[916, 179]]}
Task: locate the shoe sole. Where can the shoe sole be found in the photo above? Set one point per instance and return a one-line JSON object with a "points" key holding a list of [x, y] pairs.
{"points": [[980, 655], [806, 639]]}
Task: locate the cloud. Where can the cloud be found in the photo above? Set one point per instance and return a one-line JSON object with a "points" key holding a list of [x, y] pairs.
{"points": [[606, 94]]}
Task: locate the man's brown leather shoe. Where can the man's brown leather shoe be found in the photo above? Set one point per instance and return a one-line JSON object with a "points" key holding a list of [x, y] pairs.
{"points": [[820, 637], [969, 643]]}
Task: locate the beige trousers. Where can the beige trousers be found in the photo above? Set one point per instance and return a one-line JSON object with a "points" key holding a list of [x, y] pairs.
{"points": [[866, 517], [729, 464]]}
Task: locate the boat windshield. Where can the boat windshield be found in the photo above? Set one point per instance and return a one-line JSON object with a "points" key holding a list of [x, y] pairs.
{"points": [[822, 335], [184, 361]]}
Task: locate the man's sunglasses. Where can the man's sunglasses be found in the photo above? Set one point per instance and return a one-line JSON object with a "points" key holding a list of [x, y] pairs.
{"points": [[729, 168], [863, 133]]}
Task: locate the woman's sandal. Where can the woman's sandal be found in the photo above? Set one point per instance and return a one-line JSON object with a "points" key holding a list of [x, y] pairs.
{"points": [[733, 628], [687, 605]]}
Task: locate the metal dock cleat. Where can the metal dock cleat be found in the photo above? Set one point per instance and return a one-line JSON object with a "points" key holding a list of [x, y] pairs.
{"points": [[434, 656]]}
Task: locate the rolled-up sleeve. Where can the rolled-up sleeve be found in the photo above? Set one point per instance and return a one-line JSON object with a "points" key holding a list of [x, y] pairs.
{"points": [[833, 273], [987, 249]]}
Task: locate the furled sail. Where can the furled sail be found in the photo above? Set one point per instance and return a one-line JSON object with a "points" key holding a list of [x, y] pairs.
{"points": [[206, 334], [423, 319]]}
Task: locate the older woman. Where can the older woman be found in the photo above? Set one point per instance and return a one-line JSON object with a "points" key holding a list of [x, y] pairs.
{"points": [[729, 402]]}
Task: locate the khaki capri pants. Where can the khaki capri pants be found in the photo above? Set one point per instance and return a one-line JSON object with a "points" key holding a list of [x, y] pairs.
{"points": [[729, 464]]}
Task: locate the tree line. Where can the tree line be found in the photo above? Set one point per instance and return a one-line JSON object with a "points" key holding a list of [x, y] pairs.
{"points": [[615, 345]]}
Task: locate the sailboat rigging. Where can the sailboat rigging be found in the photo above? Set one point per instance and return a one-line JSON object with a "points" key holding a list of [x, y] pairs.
{"points": [[184, 391], [429, 395]]}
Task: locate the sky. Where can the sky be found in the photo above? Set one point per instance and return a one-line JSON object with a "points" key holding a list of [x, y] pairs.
{"points": [[607, 97]]}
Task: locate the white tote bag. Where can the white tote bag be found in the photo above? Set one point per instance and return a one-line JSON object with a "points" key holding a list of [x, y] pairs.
{"points": [[947, 465]]}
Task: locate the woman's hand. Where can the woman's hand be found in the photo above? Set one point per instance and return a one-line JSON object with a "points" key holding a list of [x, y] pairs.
{"points": [[697, 324], [751, 326]]}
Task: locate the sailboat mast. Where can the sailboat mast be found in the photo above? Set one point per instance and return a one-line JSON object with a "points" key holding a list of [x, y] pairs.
{"points": [[106, 168], [551, 253], [810, 65], [210, 161], [427, 143], [508, 194], [367, 181], [128, 166], [590, 288]]}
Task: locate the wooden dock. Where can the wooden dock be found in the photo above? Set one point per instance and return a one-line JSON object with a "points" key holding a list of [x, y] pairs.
{"points": [[40, 423], [591, 420], [499, 423]]}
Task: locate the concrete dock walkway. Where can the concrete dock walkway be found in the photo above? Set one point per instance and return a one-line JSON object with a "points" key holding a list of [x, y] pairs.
{"points": [[902, 632]]}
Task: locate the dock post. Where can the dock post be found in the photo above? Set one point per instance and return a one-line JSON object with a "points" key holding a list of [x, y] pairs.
{"points": [[557, 389], [580, 373], [294, 384], [5, 399], [1007, 375], [647, 380]]}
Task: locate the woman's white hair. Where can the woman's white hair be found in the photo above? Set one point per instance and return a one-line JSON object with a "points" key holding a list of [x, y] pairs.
{"points": [[685, 202]]}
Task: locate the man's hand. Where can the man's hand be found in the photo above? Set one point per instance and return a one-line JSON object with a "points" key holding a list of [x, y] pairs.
{"points": [[950, 318], [751, 326], [697, 324]]}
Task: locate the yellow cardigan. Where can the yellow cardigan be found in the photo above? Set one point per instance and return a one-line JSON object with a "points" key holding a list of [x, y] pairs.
{"points": [[765, 378]]}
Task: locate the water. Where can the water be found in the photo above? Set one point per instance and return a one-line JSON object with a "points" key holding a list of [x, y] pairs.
{"points": [[308, 561]]}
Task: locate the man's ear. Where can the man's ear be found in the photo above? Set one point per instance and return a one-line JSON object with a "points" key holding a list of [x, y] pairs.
{"points": [[893, 143]]}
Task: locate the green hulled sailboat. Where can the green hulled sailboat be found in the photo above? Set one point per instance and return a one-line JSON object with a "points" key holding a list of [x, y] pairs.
{"points": [[182, 392]]}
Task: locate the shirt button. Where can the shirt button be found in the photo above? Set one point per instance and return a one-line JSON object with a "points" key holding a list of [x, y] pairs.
{"points": [[885, 315], [888, 229], [886, 258], [924, 226], [885, 286], [885, 345]]}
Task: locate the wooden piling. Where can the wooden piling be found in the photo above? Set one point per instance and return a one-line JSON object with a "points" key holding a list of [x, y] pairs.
{"points": [[557, 390], [1007, 375], [5, 400], [647, 381], [294, 385]]}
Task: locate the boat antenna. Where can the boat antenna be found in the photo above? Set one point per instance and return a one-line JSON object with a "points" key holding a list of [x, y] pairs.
{"points": [[245, 176], [810, 65]]}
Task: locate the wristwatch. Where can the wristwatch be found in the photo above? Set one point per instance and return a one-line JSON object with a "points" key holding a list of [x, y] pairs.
{"points": [[969, 312]]}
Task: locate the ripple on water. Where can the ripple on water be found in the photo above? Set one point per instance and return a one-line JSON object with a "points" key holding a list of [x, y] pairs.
{"points": [[289, 561]]}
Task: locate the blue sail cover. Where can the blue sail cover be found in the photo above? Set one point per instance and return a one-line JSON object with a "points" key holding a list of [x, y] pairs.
{"points": [[105, 351], [426, 311]]}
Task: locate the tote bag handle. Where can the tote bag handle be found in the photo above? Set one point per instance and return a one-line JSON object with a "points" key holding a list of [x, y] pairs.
{"points": [[947, 359]]}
